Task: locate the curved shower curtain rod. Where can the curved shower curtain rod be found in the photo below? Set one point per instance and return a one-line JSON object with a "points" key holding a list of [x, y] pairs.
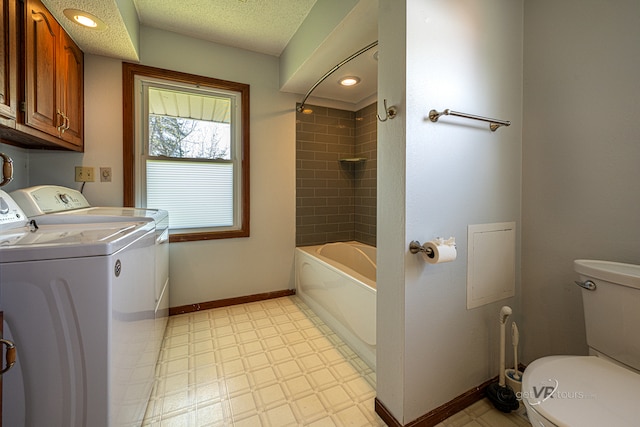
{"points": [[331, 71]]}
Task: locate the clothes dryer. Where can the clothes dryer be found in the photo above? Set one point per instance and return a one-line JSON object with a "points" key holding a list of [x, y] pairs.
{"points": [[79, 301]]}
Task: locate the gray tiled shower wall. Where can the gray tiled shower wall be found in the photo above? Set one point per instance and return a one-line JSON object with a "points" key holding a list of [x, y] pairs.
{"points": [[336, 201]]}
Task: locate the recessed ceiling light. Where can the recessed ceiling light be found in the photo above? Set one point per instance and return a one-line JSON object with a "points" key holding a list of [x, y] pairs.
{"points": [[349, 81], [307, 110], [85, 19]]}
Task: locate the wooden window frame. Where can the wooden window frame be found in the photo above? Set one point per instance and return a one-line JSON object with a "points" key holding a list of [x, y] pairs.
{"points": [[129, 73]]}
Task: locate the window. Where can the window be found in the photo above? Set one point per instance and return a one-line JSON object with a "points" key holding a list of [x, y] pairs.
{"points": [[186, 150]]}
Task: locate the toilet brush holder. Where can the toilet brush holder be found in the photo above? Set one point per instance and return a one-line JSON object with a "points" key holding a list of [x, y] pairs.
{"points": [[511, 381]]}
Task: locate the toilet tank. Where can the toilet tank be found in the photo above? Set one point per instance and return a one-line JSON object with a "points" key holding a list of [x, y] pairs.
{"points": [[612, 309]]}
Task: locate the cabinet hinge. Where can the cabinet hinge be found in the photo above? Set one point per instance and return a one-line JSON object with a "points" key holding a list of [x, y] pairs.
{"points": [[23, 106]]}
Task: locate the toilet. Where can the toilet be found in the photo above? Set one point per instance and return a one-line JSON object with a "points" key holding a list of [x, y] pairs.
{"points": [[602, 389]]}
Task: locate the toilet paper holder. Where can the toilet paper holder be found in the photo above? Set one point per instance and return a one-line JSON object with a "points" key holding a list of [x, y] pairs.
{"points": [[433, 253], [415, 247]]}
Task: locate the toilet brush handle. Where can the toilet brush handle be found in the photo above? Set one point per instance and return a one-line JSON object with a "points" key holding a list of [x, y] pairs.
{"points": [[515, 338], [501, 379], [505, 312]]}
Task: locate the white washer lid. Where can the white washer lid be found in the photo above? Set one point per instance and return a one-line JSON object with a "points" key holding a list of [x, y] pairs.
{"points": [[582, 391], [103, 214], [60, 241]]}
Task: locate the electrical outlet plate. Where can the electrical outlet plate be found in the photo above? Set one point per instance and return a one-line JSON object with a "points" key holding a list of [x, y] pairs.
{"points": [[85, 174]]}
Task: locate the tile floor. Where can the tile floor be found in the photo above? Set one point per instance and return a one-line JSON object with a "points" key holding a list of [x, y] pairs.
{"points": [[271, 363], [483, 414]]}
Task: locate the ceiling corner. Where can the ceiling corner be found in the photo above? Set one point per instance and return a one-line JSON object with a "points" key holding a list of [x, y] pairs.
{"points": [[119, 40]]}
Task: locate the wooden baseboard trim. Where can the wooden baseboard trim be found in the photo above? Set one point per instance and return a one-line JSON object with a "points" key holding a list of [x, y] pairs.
{"points": [[439, 414], [229, 301], [384, 413]]}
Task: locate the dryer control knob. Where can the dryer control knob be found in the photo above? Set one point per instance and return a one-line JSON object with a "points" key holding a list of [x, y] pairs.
{"points": [[65, 198], [4, 206]]}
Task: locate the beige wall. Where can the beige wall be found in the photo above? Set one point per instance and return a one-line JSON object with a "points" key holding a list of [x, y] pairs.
{"points": [[581, 159]]}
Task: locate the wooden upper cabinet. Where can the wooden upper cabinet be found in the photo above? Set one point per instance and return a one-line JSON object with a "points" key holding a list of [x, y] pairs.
{"points": [[8, 63], [41, 46], [54, 68], [41, 79]]}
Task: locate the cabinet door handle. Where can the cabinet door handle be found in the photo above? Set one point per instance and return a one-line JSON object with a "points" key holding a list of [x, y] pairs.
{"points": [[65, 123], [11, 355], [61, 125]]}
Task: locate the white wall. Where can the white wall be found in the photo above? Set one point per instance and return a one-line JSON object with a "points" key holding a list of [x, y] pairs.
{"points": [[390, 230], [208, 270], [581, 168], [465, 56]]}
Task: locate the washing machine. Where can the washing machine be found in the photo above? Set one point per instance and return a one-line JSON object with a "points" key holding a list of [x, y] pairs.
{"points": [[52, 204], [79, 302]]}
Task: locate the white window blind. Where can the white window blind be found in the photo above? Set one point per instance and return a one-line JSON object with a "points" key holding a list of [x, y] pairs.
{"points": [[197, 194]]}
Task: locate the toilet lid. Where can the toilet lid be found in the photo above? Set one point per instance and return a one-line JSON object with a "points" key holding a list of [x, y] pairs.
{"points": [[582, 391]]}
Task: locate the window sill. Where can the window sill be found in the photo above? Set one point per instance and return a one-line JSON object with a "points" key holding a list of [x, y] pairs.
{"points": [[212, 235]]}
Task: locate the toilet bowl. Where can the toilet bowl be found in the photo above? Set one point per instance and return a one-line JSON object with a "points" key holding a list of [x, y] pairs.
{"points": [[602, 389]]}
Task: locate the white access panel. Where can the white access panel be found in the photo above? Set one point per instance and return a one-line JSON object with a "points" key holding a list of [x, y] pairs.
{"points": [[491, 263]]}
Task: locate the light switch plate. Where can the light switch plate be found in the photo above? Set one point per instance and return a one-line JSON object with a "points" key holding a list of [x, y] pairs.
{"points": [[105, 174]]}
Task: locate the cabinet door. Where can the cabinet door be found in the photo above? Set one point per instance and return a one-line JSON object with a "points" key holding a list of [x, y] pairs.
{"points": [[41, 46], [8, 63], [70, 89]]}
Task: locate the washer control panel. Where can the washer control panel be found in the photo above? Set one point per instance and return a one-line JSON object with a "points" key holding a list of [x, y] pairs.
{"points": [[46, 199], [11, 216]]}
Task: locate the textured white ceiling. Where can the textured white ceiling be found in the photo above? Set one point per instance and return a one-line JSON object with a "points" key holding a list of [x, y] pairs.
{"points": [[264, 26]]}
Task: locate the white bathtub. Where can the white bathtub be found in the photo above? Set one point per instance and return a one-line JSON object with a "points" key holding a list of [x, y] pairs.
{"points": [[338, 282]]}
